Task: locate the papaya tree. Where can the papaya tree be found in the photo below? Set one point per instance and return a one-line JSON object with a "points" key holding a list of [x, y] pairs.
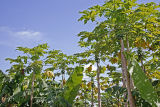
{"points": [[31, 79], [122, 22]]}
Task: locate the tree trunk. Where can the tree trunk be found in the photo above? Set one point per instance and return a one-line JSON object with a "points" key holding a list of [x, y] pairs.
{"points": [[85, 103], [123, 79], [142, 65], [32, 89], [118, 102], [62, 80], [131, 81], [140, 57], [92, 102], [98, 81], [124, 68], [124, 86]]}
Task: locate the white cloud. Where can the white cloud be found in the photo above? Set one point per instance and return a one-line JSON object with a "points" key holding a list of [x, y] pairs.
{"points": [[20, 37], [22, 34], [28, 34]]}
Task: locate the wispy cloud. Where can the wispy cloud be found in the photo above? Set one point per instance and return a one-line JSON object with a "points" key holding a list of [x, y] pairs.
{"points": [[22, 34], [28, 34], [13, 37]]}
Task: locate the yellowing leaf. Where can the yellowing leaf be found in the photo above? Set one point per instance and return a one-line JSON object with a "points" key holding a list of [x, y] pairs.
{"points": [[147, 44], [96, 90], [64, 82], [55, 65], [49, 74], [138, 39], [95, 97], [102, 88], [156, 75], [143, 44], [113, 60], [103, 69], [151, 36], [84, 60], [25, 87], [108, 67], [119, 55], [81, 97], [89, 85], [90, 68], [106, 86]]}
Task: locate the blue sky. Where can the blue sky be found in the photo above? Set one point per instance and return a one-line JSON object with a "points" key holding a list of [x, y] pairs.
{"points": [[30, 22]]}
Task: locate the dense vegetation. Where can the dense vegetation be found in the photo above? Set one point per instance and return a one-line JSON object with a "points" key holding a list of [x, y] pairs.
{"points": [[124, 47]]}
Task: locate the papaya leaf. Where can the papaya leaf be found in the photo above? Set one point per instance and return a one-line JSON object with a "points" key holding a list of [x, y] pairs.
{"points": [[143, 84], [73, 84]]}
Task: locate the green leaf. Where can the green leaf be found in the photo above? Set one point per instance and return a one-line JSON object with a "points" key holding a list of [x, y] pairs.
{"points": [[143, 84], [73, 84], [17, 90]]}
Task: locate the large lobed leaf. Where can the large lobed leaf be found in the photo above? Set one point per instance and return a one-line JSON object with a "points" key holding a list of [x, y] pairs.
{"points": [[73, 84], [143, 84]]}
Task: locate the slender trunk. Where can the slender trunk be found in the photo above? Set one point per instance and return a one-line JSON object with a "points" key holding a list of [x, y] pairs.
{"points": [[123, 79], [85, 103], [32, 89], [118, 102], [142, 65], [127, 41], [124, 68], [98, 81], [131, 81], [92, 92], [62, 79], [123, 75], [140, 57], [124, 85]]}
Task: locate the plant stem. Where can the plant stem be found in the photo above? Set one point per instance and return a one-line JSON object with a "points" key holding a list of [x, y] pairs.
{"points": [[131, 81], [124, 68], [32, 89], [62, 79], [98, 81], [92, 91]]}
